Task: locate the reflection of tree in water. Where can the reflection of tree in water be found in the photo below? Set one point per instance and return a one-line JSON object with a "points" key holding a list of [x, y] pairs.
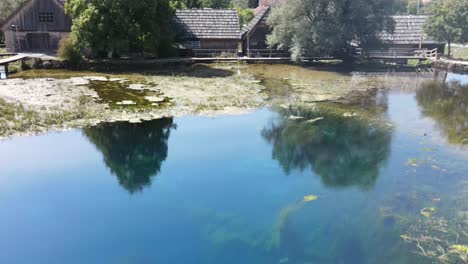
{"points": [[132, 152], [447, 104], [343, 151]]}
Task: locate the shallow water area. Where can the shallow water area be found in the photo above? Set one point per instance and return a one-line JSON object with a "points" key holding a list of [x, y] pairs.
{"points": [[384, 180]]}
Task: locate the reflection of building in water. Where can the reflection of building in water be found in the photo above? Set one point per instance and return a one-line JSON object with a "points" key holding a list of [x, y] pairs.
{"points": [[133, 152], [342, 150], [399, 81]]}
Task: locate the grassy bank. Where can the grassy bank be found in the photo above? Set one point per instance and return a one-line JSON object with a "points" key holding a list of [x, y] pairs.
{"points": [[459, 52]]}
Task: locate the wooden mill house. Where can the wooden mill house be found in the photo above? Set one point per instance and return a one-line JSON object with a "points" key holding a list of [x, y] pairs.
{"points": [[37, 26], [407, 38], [208, 32], [254, 34]]}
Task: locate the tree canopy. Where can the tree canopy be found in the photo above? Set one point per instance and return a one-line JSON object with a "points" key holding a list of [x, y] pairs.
{"points": [[448, 22], [6, 8], [109, 28], [215, 3], [332, 27]]}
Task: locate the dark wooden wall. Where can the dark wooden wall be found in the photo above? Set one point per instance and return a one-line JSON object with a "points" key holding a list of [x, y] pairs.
{"points": [[27, 19], [226, 44]]}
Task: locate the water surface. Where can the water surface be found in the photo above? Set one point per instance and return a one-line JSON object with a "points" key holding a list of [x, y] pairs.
{"points": [[233, 189]]}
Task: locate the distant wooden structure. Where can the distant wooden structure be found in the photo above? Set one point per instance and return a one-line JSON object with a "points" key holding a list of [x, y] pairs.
{"points": [[36, 26], [5, 62], [254, 34], [208, 32], [408, 41]]}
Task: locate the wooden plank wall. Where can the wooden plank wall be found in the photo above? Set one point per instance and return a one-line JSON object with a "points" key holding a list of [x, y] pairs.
{"points": [[219, 44], [27, 19]]}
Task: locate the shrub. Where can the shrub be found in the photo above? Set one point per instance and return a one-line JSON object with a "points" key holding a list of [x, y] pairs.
{"points": [[69, 52]]}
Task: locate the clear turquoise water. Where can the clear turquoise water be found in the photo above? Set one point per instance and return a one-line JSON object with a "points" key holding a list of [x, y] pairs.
{"points": [[230, 189]]}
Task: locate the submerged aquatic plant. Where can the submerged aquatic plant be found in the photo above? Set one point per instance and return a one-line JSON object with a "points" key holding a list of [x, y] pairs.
{"points": [[428, 211], [310, 198]]}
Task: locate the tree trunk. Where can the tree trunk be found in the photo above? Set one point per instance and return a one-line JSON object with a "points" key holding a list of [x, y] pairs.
{"points": [[449, 50]]}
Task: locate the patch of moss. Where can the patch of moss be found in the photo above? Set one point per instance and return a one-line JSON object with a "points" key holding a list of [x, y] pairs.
{"points": [[113, 93]]}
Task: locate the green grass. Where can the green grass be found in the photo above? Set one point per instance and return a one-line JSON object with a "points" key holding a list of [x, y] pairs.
{"points": [[3, 50], [459, 52]]}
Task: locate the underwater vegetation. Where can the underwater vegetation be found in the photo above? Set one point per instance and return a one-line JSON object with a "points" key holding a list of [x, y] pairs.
{"points": [[344, 147], [284, 217], [437, 231], [133, 152], [447, 104], [120, 93]]}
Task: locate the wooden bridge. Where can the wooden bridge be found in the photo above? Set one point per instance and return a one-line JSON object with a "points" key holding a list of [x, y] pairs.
{"points": [[14, 57], [399, 54], [5, 62]]}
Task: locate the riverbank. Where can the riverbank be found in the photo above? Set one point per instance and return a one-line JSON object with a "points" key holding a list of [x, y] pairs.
{"points": [[452, 65], [37, 101]]}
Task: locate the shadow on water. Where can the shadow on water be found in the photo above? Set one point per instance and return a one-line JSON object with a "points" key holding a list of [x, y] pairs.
{"points": [[133, 152], [344, 150], [447, 104]]}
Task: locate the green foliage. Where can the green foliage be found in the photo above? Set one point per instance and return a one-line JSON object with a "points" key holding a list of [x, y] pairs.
{"points": [[328, 27], [6, 8], [69, 52], [111, 28], [343, 151], [243, 4], [411, 7], [448, 22], [245, 16], [133, 152], [459, 52]]}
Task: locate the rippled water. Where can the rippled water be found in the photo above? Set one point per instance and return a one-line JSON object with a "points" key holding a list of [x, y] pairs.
{"points": [[327, 184]]}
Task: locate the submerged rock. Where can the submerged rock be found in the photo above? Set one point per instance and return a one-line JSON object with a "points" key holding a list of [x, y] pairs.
{"points": [[137, 86], [154, 99], [96, 78], [311, 121], [126, 102], [295, 117]]}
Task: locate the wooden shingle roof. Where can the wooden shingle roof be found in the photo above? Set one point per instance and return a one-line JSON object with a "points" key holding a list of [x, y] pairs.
{"points": [[408, 30], [207, 24], [261, 16]]}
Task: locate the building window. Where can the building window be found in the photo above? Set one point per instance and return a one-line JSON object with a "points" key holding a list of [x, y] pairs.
{"points": [[195, 44], [46, 17]]}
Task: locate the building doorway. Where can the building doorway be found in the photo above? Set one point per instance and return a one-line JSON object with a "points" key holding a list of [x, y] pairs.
{"points": [[38, 41]]}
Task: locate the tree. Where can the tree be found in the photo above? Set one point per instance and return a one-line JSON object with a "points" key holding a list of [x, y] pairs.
{"points": [[448, 22], [333, 27], [6, 8], [414, 7], [109, 28]]}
